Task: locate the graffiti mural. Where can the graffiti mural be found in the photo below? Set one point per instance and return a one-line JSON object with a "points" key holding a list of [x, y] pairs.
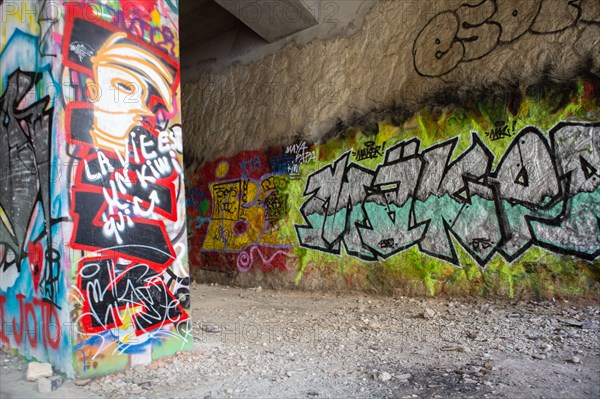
{"points": [[541, 193], [243, 218], [472, 31], [25, 180], [124, 135], [499, 196], [33, 304], [93, 251]]}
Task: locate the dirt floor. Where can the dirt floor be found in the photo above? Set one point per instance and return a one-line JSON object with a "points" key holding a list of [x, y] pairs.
{"points": [[254, 343]]}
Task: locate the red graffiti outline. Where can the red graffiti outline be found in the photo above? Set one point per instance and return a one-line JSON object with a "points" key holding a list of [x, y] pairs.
{"points": [[87, 310], [159, 267]]}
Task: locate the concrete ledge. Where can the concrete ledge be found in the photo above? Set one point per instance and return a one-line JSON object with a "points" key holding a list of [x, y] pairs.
{"points": [[273, 20]]}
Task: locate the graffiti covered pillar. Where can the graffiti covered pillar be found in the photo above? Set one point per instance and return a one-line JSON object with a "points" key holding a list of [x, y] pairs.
{"points": [[93, 238], [34, 262]]}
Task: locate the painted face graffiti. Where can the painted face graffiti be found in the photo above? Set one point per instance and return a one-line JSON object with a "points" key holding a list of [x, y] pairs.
{"points": [[131, 73]]}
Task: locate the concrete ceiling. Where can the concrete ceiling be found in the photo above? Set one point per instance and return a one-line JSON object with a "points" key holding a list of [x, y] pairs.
{"points": [[273, 20], [217, 29], [217, 33], [203, 20]]}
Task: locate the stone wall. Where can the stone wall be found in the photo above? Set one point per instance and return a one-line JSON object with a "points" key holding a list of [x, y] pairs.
{"points": [[443, 149], [93, 250], [391, 62], [497, 196]]}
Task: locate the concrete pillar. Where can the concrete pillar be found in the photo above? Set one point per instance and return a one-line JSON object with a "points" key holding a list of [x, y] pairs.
{"points": [[93, 252]]}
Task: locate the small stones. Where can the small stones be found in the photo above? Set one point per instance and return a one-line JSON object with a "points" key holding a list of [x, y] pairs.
{"points": [[574, 360], [385, 376], [135, 389], [453, 348], [428, 314], [571, 322], [488, 365], [590, 325], [47, 385], [546, 347], [38, 370]]}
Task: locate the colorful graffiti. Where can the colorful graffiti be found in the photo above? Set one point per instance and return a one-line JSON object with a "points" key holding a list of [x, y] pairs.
{"points": [[124, 135], [33, 304], [472, 31], [487, 197], [541, 193], [246, 211], [93, 251]]}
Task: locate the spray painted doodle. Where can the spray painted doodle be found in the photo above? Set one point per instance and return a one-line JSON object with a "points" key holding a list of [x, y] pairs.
{"points": [[541, 193], [247, 207], [25, 180], [472, 31], [127, 194]]}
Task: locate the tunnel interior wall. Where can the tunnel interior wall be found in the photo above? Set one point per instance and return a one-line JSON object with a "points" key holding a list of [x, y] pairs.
{"points": [[453, 153]]}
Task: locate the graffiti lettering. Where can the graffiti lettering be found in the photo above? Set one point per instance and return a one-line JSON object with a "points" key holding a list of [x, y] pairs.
{"points": [[471, 32], [112, 291], [387, 243], [501, 130], [283, 164], [541, 193], [297, 154], [162, 38], [38, 322], [481, 243], [370, 151], [247, 167]]}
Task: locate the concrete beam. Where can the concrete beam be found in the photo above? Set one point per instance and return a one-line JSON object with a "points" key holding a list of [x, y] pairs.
{"points": [[274, 19]]}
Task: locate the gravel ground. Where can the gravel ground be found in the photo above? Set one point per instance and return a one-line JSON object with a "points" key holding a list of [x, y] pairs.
{"points": [[254, 343]]}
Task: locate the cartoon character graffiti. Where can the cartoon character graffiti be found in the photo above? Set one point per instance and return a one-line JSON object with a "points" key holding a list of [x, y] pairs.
{"points": [[248, 208], [134, 74]]}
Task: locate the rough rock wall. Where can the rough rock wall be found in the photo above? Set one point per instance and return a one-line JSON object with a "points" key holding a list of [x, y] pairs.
{"points": [[497, 196], [448, 147], [408, 54], [93, 250]]}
